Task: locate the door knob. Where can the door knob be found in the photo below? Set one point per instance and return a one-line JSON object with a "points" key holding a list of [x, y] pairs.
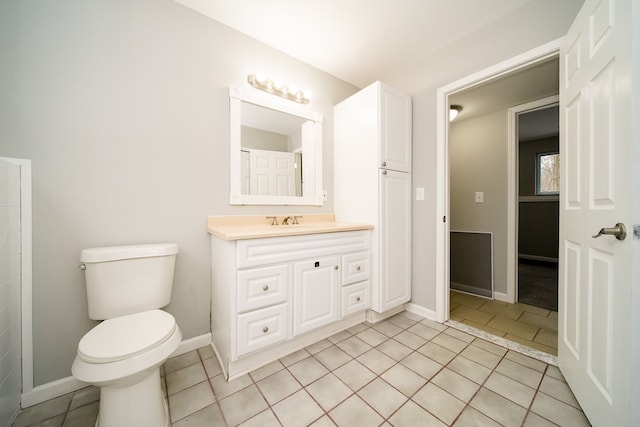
{"points": [[619, 231]]}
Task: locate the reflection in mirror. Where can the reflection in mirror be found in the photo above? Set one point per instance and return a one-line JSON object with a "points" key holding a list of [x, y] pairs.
{"points": [[276, 152], [271, 151]]}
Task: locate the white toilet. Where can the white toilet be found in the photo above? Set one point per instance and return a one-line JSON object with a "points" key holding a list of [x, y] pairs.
{"points": [[126, 287]]}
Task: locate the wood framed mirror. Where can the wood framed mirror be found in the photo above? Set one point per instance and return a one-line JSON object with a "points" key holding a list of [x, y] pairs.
{"points": [[275, 151]]}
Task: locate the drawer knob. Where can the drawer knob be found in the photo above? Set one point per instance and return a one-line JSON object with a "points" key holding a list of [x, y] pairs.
{"points": [[335, 267], [358, 299], [358, 268], [265, 288], [265, 329]]}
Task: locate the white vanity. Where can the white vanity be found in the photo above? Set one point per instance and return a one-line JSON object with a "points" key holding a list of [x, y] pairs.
{"points": [[279, 288]]}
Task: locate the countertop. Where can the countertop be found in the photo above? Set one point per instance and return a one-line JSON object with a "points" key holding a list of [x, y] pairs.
{"points": [[240, 227]]}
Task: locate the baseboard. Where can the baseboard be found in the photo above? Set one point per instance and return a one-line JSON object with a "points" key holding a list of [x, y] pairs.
{"points": [[420, 311], [69, 384], [50, 390], [192, 344], [499, 296]]}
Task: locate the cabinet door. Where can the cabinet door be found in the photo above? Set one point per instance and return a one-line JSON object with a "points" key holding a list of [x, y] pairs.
{"points": [[395, 130], [315, 293], [394, 281]]}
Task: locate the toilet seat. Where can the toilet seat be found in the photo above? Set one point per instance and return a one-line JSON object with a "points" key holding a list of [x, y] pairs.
{"points": [[126, 336]]}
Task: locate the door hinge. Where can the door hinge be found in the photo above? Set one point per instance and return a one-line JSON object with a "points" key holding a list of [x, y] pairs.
{"points": [[444, 218]]}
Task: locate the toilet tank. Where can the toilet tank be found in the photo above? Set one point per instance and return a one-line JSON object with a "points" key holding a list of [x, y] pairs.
{"points": [[124, 280]]}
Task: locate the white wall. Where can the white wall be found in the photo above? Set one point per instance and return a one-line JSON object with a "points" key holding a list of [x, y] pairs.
{"points": [[122, 107], [537, 23], [10, 278], [478, 162]]}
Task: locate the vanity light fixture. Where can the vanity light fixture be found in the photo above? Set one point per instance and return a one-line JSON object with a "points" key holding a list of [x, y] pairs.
{"points": [[276, 87], [454, 110]]}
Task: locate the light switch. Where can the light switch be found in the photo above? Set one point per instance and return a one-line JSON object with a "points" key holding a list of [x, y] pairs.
{"points": [[420, 193], [479, 197]]}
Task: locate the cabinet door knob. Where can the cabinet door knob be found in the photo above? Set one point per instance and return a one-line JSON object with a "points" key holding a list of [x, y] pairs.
{"points": [[384, 172], [358, 268], [358, 299], [265, 288], [384, 164], [265, 329], [335, 267]]}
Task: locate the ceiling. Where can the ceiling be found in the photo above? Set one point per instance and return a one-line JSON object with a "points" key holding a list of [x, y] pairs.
{"points": [[358, 41], [531, 83]]}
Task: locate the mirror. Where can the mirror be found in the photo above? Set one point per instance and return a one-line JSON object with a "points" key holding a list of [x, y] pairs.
{"points": [[275, 151]]}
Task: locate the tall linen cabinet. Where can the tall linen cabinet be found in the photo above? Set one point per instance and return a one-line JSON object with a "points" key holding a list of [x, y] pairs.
{"points": [[372, 183]]}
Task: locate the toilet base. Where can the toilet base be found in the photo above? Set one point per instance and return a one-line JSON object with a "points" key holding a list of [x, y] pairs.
{"points": [[138, 405]]}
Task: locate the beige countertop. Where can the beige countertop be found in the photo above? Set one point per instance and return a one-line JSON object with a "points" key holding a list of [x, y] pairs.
{"points": [[240, 227]]}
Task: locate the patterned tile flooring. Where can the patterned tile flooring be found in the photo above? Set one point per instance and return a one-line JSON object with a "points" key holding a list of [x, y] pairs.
{"points": [[525, 324], [404, 371]]}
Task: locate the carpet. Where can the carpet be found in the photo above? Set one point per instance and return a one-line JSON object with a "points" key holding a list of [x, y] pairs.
{"points": [[538, 284]]}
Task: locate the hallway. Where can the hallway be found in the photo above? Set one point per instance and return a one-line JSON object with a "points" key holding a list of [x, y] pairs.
{"points": [[522, 323]]}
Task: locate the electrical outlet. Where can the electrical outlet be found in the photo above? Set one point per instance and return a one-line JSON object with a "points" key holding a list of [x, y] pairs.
{"points": [[479, 197], [324, 195]]}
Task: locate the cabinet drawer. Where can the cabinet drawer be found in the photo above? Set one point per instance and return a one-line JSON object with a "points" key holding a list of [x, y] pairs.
{"points": [[355, 298], [355, 268], [256, 252], [260, 328], [262, 287]]}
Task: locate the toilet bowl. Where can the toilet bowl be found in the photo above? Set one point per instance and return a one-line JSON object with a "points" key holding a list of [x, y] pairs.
{"points": [[122, 355]]}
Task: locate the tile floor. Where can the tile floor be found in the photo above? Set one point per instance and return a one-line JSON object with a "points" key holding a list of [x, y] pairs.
{"points": [[404, 371], [525, 324]]}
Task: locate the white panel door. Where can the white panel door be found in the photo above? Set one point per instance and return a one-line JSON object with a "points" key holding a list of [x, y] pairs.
{"points": [[272, 173], [596, 274], [315, 296], [395, 130], [394, 285]]}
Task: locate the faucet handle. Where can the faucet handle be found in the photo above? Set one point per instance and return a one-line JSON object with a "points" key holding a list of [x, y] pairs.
{"points": [[295, 218], [274, 220], [285, 221]]}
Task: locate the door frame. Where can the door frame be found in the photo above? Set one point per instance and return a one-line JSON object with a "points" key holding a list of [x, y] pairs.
{"points": [[513, 207], [25, 273], [523, 60]]}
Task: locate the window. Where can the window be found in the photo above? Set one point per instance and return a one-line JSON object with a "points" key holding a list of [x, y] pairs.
{"points": [[548, 173]]}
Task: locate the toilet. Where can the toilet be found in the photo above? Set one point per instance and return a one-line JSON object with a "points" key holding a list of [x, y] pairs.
{"points": [[126, 287]]}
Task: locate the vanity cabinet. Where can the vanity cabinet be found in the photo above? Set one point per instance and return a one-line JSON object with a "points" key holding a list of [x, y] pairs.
{"points": [[273, 296]]}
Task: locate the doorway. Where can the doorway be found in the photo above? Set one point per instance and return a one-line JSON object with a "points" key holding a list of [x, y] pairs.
{"points": [[538, 176], [505, 252]]}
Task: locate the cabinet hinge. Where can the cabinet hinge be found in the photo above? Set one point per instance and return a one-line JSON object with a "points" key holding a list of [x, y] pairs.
{"points": [[444, 218]]}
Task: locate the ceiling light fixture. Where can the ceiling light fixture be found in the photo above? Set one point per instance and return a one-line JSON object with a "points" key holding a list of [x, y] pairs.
{"points": [[277, 87], [454, 110]]}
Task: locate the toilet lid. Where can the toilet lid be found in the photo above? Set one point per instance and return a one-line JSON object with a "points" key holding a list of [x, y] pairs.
{"points": [[126, 336]]}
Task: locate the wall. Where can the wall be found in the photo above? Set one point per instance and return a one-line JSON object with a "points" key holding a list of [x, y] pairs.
{"points": [[123, 109], [516, 33], [263, 140], [478, 162]]}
